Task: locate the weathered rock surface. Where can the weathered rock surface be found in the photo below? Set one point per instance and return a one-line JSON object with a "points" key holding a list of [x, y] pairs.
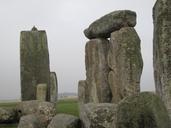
{"points": [[162, 50], [83, 96], [97, 70], [34, 59], [101, 115], [41, 92], [125, 62], [145, 110], [8, 115], [30, 121], [44, 110], [65, 121], [103, 27], [53, 87]]}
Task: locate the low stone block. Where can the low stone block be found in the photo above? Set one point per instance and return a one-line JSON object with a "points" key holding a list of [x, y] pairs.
{"points": [[65, 121], [102, 115], [145, 110]]}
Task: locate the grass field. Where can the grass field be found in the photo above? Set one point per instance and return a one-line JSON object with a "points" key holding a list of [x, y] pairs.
{"points": [[68, 106]]}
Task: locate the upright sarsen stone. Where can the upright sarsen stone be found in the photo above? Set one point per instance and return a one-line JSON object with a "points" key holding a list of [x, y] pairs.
{"points": [[53, 87], [125, 62], [97, 71], [162, 50], [34, 59]]}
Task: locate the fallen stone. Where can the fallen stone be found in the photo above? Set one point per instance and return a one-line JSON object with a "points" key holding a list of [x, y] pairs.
{"points": [[145, 110], [41, 92], [44, 110], [65, 121], [97, 71], [53, 87], [34, 59], [8, 115], [30, 121], [101, 115], [162, 50], [125, 62], [103, 27]]}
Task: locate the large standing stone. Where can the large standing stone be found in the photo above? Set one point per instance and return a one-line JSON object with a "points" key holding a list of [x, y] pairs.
{"points": [[65, 121], [101, 115], [53, 87], [34, 59], [162, 50], [97, 70], [41, 92], [145, 110], [103, 27], [125, 62]]}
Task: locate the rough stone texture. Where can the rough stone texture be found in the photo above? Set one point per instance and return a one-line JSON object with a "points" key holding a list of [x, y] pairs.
{"points": [[65, 121], [44, 110], [103, 27], [30, 121], [101, 115], [125, 62], [34, 59], [145, 110], [162, 50], [97, 70], [8, 115], [83, 96], [41, 92], [53, 87]]}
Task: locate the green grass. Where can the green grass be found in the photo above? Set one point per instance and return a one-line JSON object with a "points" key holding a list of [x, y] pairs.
{"points": [[68, 106]]}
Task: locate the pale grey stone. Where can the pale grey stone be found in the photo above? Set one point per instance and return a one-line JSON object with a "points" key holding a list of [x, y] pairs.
{"points": [[125, 62], [65, 121], [113, 21], [41, 92], [83, 92], [30, 121], [44, 110], [53, 87]]}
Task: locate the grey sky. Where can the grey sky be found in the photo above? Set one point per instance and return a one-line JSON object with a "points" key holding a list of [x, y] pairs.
{"points": [[64, 22]]}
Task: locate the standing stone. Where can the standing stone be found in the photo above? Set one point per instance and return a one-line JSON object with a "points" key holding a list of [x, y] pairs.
{"points": [[103, 27], [97, 70], [83, 95], [53, 87], [41, 92], [125, 62], [34, 58], [162, 50]]}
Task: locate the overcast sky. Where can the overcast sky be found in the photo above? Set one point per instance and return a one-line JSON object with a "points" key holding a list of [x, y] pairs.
{"points": [[64, 22]]}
